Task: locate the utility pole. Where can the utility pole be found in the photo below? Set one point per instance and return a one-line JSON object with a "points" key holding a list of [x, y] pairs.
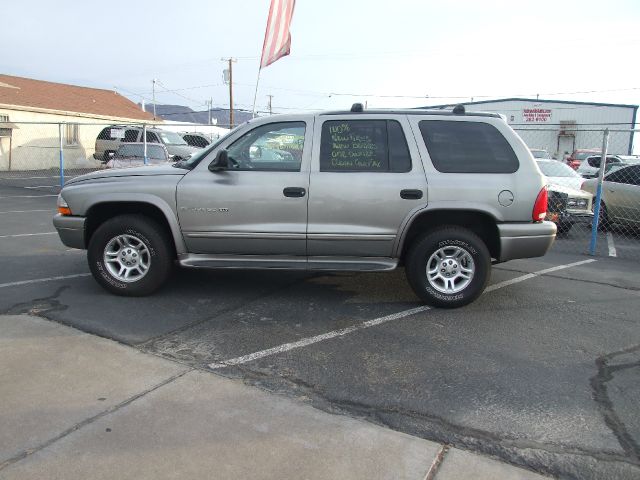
{"points": [[210, 105], [154, 98], [270, 109], [231, 61]]}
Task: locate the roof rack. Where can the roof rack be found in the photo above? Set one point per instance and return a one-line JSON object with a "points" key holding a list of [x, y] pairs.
{"points": [[457, 111]]}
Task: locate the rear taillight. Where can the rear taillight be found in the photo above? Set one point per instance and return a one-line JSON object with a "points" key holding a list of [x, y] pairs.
{"points": [[540, 207]]}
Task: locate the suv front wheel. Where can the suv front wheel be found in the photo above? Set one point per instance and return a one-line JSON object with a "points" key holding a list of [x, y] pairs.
{"points": [[130, 255], [448, 267]]}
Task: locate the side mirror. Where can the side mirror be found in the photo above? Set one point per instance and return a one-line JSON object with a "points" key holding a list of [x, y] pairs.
{"points": [[220, 163]]}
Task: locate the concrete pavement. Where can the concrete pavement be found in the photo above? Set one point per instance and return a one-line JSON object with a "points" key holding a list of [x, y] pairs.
{"points": [[73, 405]]}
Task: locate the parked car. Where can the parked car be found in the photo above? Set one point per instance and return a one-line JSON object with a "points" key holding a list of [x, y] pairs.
{"points": [[197, 139], [620, 203], [568, 204], [577, 156], [132, 155], [539, 153], [110, 138], [443, 193], [590, 166]]}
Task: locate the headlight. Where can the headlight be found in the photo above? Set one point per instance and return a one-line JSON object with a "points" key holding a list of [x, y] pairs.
{"points": [[63, 207], [577, 203]]}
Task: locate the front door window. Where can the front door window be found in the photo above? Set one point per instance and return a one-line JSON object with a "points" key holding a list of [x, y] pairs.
{"points": [[272, 147]]}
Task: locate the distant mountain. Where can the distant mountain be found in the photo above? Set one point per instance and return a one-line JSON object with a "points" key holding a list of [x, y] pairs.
{"points": [[180, 113]]}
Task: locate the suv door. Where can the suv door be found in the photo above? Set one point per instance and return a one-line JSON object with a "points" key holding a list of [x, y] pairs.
{"points": [[259, 205], [621, 192], [365, 181]]}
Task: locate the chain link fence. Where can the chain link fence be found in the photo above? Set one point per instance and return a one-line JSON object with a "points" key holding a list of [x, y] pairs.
{"points": [[40, 157], [595, 204]]}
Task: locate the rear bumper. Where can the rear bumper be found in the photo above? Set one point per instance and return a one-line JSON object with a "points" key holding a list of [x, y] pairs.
{"points": [[525, 240], [71, 230]]}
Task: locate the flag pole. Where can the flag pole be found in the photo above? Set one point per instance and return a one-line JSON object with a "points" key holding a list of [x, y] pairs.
{"points": [[255, 95]]}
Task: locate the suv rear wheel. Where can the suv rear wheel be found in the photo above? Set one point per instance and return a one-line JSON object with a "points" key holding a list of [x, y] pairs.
{"points": [[448, 267], [130, 255]]}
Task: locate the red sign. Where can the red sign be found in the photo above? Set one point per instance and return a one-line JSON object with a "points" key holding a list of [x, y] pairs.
{"points": [[536, 115]]}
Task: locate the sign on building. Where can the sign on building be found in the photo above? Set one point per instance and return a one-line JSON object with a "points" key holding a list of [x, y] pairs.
{"points": [[536, 115]]}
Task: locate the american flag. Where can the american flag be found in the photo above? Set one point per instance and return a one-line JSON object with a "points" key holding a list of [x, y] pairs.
{"points": [[277, 39]]}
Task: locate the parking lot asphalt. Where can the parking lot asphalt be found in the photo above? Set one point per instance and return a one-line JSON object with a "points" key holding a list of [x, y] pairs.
{"points": [[542, 371]]}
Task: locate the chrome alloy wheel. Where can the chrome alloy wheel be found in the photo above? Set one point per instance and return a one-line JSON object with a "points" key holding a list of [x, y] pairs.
{"points": [[450, 269], [127, 258]]}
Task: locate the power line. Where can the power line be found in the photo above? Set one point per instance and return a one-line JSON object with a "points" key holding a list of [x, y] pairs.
{"points": [[198, 102], [373, 95]]}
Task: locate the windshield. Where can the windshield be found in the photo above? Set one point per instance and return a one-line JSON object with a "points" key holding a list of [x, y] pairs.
{"points": [[557, 169], [135, 150], [171, 138], [583, 155], [540, 154], [612, 167], [198, 156]]}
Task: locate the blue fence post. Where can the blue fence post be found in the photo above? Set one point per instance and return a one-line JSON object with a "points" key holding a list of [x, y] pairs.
{"points": [[596, 208], [61, 156], [144, 140]]}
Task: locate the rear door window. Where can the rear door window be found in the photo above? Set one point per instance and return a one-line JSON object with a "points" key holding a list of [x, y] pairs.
{"points": [[364, 146], [467, 147], [131, 136]]}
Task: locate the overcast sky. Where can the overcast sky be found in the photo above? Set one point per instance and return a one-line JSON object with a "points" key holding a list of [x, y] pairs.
{"points": [[387, 53]]}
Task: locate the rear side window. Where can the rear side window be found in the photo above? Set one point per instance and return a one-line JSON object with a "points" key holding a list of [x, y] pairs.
{"points": [[152, 137], [467, 147], [364, 146], [105, 134]]}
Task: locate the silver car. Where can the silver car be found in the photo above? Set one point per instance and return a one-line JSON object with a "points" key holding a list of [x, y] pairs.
{"points": [[620, 202], [568, 203], [443, 193], [133, 155], [110, 139]]}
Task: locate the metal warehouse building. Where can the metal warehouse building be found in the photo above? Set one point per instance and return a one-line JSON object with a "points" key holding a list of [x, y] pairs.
{"points": [[560, 126]]}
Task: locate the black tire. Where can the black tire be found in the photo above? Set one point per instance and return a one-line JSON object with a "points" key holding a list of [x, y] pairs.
{"points": [[105, 155], [449, 238], [158, 254], [564, 228]]}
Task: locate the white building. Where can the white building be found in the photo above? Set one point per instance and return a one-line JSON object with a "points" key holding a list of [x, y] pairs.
{"points": [[30, 111], [560, 126]]}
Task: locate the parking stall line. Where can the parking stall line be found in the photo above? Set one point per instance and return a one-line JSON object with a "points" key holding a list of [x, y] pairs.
{"points": [[41, 280], [29, 196], [27, 234], [529, 276], [611, 245], [28, 211], [371, 323]]}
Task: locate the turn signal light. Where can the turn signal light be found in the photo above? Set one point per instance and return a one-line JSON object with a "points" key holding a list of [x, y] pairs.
{"points": [[540, 207], [63, 207]]}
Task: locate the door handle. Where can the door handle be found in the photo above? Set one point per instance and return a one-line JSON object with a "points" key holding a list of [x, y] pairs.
{"points": [[295, 192], [411, 194]]}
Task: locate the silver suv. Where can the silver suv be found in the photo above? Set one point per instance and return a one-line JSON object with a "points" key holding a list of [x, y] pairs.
{"points": [[445, 194], [112, 137]]}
